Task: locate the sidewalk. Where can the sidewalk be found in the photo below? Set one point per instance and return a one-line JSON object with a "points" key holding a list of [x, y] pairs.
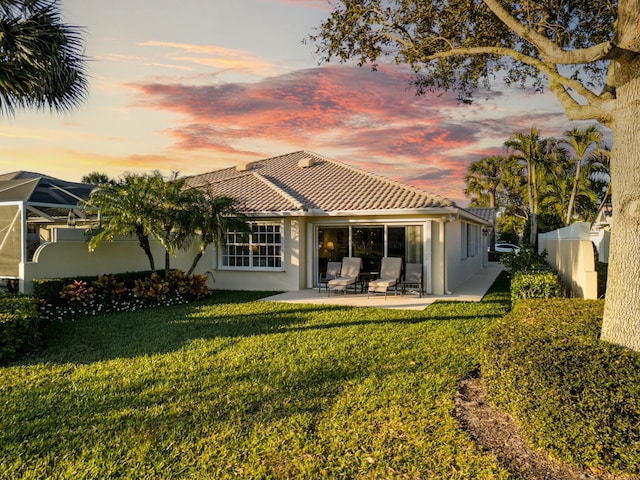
{"points": [[470, 291]]}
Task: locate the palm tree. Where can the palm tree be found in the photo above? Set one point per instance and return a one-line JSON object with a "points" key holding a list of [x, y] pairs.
{"points": [[96, 178], [125, 208], [483, 180], [172, 211], [580, 140], [42, 62], [527, 149], [214, 217]]}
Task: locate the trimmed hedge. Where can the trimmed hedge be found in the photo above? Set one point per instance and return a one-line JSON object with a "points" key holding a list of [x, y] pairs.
{"points": [[542, 285], [573, 395], [19, 325]]}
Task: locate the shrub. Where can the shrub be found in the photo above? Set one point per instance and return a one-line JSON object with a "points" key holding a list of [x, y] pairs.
{"points": [[572, 394], [151, 288], [535, 285], [19, 325], [192, 287], [526, 260], [49, 289], [110, 288], [78, 292]]}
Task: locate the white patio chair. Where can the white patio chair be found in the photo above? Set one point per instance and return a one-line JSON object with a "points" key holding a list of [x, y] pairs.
{"points": [[390, 272], [333, 271], [412, 278], [349, 273]]}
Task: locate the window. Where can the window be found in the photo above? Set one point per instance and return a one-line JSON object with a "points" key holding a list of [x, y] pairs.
{"points": [[261, 249], [469, 240]]}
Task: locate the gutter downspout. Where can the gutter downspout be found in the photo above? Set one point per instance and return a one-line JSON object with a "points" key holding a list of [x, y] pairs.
{"points": [[443, 238]]}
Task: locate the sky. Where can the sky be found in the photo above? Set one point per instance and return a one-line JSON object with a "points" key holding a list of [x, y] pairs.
{"points": [[198, 85]]}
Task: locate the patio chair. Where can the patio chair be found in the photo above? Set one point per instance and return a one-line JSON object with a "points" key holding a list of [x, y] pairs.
{"points": [[412, 278], [349, 273], [390, 273], [333, 271]]}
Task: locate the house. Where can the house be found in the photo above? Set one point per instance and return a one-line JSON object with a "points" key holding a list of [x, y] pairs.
{"points": [[31, 206], [308, 209]]}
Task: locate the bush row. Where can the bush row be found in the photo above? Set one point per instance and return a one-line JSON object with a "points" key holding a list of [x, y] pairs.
{"points": [[572, 394], [108, 293], [49, 289], [19, 325]]}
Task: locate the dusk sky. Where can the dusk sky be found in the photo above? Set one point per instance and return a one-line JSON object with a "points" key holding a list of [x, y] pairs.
{"points": [[194, 85]]}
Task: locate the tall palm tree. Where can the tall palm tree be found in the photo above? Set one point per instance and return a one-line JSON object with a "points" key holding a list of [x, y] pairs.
{"points": [[125, 208], [172, 210], [527, 149], [42, 62], [581, 141], [214, 217]]}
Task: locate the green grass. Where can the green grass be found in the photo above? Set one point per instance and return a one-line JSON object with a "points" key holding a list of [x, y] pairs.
{"points": [[234, 388]]}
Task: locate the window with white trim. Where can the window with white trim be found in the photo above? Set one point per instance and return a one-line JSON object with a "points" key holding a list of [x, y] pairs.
{"points": [[261, 249], [469, 240]]}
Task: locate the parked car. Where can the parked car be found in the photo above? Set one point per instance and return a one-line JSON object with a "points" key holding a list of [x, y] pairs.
{"points": [[507, 247]]}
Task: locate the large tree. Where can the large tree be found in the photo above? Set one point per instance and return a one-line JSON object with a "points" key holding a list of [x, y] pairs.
{"points": [[588, 53], [42, 63]]}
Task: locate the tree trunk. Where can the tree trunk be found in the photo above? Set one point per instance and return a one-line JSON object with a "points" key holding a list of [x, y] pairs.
{"points": [[196, 259], [574, 191], [167, 264], [533, 208], [621, 322], [143, 241]]}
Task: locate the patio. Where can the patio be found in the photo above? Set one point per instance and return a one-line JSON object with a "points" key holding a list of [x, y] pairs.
{"points": [[470, 291]]}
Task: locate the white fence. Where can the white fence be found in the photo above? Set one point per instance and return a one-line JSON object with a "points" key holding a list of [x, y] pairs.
{"points": [[571, 252]]}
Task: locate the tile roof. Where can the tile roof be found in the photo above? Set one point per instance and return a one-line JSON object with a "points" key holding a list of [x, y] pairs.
{"points": [[487, 213], [305, 181]]}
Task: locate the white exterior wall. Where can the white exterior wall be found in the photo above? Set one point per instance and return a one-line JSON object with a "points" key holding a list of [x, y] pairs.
{"points": [[461, 267], [67, 256], [292, 276]]}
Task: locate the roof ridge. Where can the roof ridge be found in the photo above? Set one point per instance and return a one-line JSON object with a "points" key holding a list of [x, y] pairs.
{"points": [[405, 186], [279, 191]]}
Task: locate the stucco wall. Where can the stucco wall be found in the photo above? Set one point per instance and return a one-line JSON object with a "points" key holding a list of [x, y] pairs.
{"points": [[461, 267], [291, 278], [69, 256], [571, 254]]}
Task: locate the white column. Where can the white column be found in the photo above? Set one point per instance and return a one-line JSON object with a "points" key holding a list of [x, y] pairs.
{"points": [[427, 267]]}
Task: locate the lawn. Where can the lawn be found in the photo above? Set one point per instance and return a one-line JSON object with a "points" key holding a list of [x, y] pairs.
{"points": [[236, 388]]}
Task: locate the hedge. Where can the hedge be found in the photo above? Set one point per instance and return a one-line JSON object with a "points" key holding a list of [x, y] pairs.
{"points": [[573, 395], [541, 284], [19, 325]]}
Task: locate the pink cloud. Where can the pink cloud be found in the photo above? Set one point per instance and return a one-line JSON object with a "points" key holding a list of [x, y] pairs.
{"points": [[370, 119]]}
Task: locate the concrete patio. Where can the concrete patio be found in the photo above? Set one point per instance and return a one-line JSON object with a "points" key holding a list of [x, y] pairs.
{"points": [[470, 291]]}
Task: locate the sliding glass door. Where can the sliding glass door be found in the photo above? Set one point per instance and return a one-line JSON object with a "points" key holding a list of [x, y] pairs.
{"points": [[370, 243]]}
